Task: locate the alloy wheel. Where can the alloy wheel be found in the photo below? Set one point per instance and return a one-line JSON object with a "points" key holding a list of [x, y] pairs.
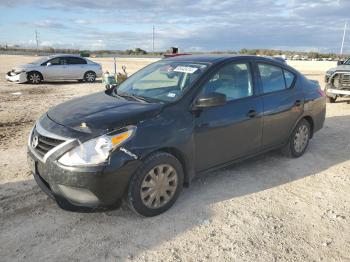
{"points": [[34, 78], [90, 77]]}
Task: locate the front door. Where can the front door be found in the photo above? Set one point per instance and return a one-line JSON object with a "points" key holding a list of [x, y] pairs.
{"points": [[55, 69], [233, 130]]}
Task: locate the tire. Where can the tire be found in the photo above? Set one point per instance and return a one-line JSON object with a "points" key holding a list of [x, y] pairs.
{"points": [[331, 99], [34, 78], [90, 77], [145, 201], [299, 140]]}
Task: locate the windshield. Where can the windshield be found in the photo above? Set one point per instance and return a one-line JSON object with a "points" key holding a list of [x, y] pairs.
{"points": [[347, 62], [39, 61], [164, 81]]}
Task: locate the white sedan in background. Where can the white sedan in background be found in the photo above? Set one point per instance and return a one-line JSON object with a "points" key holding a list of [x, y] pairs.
{"points": [[56, 67]]}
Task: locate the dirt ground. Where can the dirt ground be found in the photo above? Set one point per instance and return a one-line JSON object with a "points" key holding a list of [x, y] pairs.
{"points": [[269, 208]]}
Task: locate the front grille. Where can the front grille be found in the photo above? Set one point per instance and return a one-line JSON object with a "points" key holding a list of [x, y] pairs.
{"points": [[43, 144], [345, 80]]}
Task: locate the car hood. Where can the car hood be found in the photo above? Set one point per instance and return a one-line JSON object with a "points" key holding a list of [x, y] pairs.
{"points": [[24, 67], [100, 113], [340, 68]]}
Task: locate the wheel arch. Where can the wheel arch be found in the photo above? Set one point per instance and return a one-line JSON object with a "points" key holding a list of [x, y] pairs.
{"points": [[309, 119], [185, 163], [311, 122], [90, 71]]}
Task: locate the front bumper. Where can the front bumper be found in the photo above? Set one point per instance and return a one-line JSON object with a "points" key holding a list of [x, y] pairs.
{"points": [[333, 92], [16, 78], [89, 187], [85, 187]]}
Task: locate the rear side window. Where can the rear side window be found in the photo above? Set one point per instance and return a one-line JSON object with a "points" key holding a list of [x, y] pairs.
{"points": [[272, 78], [76, 61], [289, 77]]}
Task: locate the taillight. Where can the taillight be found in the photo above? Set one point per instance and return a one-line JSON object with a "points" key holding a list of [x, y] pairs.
{"points": [[321, 92]]}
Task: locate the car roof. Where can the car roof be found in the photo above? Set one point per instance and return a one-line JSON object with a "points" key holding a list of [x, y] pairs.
{"points": [[217, 58], [64, 55]]}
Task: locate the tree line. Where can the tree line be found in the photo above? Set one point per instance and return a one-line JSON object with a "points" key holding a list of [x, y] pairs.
{"points": [[139, 51]]}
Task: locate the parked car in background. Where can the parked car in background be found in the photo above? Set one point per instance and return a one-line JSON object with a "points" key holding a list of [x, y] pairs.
{"points": [[56, 67], [147, 138], [338, 81]]}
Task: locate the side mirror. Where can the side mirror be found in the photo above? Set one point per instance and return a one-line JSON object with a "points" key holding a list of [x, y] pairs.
{"points": [[48, 64], [340, 62], [210, 100]]}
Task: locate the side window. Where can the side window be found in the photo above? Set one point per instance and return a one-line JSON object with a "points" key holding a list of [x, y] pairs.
{"points": [[63, 61], [289, 77], [55, 61], [272, 78], [76, 61], [233, 80]]}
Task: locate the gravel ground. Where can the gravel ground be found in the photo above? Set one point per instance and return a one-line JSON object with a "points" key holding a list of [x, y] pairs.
{"points": [[269, 208]]}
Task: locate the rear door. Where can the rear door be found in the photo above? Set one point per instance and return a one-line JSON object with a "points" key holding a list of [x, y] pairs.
{"points": [[282, 100], [76, 67], [230, 131]]}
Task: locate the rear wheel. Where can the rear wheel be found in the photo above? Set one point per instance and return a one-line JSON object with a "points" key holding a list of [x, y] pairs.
{"points": [[34, 78], [299, 140], [156, 185], [90, 77]]}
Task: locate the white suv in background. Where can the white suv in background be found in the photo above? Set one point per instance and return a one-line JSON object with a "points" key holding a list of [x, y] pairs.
{"points": [[56, 67]]}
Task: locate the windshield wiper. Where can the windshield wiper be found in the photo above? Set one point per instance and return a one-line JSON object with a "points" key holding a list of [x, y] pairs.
{"points": [[133, 96]]}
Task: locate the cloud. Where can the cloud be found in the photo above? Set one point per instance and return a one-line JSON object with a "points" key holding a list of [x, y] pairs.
{"points": [[196, 25], [50, 24]]}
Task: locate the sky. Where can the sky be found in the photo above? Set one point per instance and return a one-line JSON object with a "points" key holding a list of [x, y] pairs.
{"points": [[205, 25]]}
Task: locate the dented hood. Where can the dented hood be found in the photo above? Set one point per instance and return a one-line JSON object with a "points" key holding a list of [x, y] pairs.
{"points": [[101, 112]]}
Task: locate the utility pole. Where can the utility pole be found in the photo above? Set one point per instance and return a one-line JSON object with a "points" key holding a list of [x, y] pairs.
{"points": [[37, 42], [153, 39], [342, 44]]}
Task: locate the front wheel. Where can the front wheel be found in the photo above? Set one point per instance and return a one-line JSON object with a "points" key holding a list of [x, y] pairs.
{"points": [[90, 77], [299, 140], [156, 185], [34, 78]]}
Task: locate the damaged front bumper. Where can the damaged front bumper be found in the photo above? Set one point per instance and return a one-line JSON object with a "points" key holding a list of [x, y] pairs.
{"points": [[16, 77], [77, 187]]}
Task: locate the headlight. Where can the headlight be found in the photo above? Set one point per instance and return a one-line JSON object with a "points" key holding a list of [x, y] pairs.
{"points": [[19, 71], [329, 73], [97, 150]]}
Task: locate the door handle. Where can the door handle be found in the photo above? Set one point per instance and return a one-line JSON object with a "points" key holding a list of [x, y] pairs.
{"points": [[297, 103], [251, 113]]}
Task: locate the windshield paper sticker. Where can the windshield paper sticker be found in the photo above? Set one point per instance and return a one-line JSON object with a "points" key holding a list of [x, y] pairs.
{"points": [[171, 94], [185, 69]]}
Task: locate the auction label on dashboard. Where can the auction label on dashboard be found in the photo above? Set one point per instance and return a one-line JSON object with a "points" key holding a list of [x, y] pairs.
{"points": [[185, 69]]}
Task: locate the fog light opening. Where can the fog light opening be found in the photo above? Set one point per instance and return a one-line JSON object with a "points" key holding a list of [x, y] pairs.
{"points": [[78, 195]]}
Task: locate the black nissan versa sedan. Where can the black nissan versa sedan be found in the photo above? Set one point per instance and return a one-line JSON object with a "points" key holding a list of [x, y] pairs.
{"points": [[146, 139]]}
